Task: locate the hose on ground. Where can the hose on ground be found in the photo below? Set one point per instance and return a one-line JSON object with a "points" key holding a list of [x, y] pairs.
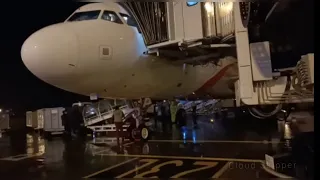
{"points": [[262, 115]]}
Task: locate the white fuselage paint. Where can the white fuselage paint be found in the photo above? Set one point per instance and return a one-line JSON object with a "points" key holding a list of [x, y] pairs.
{"points": [[67, 55]]}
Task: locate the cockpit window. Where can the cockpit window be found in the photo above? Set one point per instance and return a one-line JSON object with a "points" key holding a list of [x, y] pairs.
{"points": [[111, 16], [129, 20], [83, 16]]}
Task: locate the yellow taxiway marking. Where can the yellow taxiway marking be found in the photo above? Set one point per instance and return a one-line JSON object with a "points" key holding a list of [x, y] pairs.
{"points": [[204, 164], [216, 141], [147, 163], [185, 157], [101, 151], [109, 148], [275, 173], [109, 168], [222, 170], [20, 157]]}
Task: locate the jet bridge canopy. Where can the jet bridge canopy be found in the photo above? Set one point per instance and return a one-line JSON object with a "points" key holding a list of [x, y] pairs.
{"points": [[167, 23]]}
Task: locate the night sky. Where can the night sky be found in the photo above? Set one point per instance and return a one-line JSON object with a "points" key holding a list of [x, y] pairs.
{"points": [[21, 91]]}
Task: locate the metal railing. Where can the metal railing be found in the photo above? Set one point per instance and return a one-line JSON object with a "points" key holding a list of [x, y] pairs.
{"points": [[101, 109], [151, 19]]}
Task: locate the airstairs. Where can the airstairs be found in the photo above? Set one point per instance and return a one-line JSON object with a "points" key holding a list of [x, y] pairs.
{"points": [[187, 105], [206, 107], [203, 107], [96, 115], [4, 121]]}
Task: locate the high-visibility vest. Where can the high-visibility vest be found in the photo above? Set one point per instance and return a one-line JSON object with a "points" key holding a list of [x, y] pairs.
{"points": [[173, 110]]}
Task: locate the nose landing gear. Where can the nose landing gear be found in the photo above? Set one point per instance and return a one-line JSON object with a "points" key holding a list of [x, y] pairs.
{"points": [[142, 133], [139, 127]]}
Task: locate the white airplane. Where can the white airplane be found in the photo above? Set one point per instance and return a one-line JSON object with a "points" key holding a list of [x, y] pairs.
{"points": [[99, 50]]}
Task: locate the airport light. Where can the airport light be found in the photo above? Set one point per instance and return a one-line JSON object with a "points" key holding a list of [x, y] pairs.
{"points": [[192, 3], [209, 8], [226, 8]]}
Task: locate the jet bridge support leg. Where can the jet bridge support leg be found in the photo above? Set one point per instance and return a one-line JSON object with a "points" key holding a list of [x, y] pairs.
{"points": [[258, 84], [245, 82]]}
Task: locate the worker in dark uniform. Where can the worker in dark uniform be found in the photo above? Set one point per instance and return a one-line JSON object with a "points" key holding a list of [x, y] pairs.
{"points": [[181, 116], [163, 117], [168, 112], [158, 115], [76, 120], [66, 122], [168, 120], [194, 114]]}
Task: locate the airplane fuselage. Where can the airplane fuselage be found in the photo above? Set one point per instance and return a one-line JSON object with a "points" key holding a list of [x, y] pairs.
{"points": [[109, 59]]}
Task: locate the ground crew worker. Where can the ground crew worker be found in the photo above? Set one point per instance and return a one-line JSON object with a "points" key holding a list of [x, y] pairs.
{"points": [[163, 117], [167, 118], [194, 114], [118, 121], [66, 122], [75, 118], [173, 111], [167, 112], [158, 115], [181, 116]]}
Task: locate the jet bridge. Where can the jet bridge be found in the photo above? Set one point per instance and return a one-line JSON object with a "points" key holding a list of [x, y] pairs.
{"points": [[182, 32], [167, 23], [205, 32]]}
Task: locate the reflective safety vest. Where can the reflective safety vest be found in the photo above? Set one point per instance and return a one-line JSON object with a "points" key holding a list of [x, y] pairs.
{"points": [[173, 110]]}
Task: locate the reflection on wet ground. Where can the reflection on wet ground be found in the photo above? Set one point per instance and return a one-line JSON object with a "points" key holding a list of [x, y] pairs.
{"points": [[219, 149]]}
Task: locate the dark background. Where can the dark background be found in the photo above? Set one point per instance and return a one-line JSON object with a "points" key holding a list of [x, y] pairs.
{"points": [[21, 91]]}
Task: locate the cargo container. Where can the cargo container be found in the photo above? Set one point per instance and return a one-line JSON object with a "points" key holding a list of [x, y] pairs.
{"points": [[32, 120], [49, 119], [29, 118], [4, 121]]}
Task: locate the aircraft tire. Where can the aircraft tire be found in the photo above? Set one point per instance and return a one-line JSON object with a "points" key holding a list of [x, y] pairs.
{"points": [[145, 134], [47, 135]]}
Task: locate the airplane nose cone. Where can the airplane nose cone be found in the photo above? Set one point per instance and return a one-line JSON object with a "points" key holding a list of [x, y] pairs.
{"points": [[50, 53]]}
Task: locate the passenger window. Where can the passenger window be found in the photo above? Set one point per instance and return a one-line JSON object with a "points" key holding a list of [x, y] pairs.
{"points": [[111, 16], [83, 16], [129, 20]]}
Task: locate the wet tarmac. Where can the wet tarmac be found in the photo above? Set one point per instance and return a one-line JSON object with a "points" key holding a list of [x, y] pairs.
{"points": [[224, 148]]}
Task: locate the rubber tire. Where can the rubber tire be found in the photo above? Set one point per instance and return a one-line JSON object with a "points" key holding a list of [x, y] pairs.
{"points": [[129, 133], [131, 137], [48, 135], [148, 134]]}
